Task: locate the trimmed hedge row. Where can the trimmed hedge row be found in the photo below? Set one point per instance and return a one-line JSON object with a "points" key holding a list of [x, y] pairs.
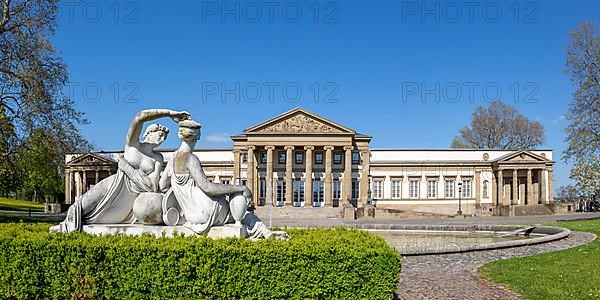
{"points": [[314, 264]]}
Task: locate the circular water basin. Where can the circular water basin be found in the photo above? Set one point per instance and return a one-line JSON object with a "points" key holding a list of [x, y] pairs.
{"points": [[408, 241], [441, 239]]}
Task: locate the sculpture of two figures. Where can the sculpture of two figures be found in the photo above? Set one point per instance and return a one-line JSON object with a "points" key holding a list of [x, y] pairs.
{"points": [[142, 191]]}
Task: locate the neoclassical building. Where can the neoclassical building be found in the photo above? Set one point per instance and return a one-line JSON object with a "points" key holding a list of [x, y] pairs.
{"points": [[300, 161]]}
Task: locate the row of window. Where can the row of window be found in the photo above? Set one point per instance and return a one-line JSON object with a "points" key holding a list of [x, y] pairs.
{"points": [[317, 186], [414, 188], [299, 157]]}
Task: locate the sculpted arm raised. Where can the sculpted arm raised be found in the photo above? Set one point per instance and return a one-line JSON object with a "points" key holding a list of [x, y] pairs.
{"points": [[135, 129]]}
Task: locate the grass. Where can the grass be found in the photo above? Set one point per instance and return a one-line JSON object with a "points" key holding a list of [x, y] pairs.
{"points": [[27, 219], [568, 274], [20, 205]]}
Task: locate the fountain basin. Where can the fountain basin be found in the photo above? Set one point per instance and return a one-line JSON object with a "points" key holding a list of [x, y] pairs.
{"points": [[444, 239]]}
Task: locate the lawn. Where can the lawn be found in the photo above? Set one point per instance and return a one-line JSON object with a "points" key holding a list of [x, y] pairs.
{"points": [[21, 205], [568, 274]]}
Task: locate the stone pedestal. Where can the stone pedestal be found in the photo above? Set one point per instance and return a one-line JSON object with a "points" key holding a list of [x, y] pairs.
{"points": [[136, 229], [349, 212], [369, 211], [52, 208], [227, 231], [217, 232]]}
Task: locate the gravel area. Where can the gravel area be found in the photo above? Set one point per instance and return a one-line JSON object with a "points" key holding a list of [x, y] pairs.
{"points": [[454, 276]]}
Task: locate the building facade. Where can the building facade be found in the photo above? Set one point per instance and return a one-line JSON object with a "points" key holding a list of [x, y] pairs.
{"points": [[300, 159]]}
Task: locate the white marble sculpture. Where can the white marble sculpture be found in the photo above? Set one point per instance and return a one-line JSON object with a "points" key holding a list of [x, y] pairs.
{"points": [[142, 193], [205, 204]]}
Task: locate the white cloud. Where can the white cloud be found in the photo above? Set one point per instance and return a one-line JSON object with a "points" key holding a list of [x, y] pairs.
{"points": [[218, 138], [559, 119]]}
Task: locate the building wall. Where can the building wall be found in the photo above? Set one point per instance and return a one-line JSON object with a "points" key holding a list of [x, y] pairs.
{"points": [[526, 174]]}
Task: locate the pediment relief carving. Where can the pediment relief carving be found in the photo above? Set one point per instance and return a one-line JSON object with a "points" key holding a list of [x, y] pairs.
{"points": [[90, 160], [299, 123], [523, 156]]}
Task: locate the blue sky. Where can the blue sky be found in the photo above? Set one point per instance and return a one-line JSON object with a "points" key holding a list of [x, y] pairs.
{"points": [[408, 73]]}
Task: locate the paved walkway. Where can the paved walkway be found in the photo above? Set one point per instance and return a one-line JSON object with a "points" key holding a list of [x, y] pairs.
{"points": [[324, 222], [454, 276]]}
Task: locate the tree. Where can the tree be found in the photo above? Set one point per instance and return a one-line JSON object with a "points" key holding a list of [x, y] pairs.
{"points": [[37, 121], [586, 173], [583, 131], [499, 126], [566, 193]]}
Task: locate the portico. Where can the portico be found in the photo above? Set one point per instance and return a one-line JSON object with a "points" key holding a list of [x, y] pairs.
{"points": [[301, 159], [522, 178], [83, 171]]}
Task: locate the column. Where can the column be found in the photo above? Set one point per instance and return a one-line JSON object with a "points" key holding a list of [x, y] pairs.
{"points": [[501, 198], [72, 187], [289, 182], [347, 183], [477, 186], [308, 189], [236, 166], [543, 186], [97, 177], [84, 186], [250, 173], [328, 180], [77, 184], [529, 188], [515, 188], [550, 191], [365, 156], [536, 187], [493, 189], [269, 175], [67, 187]]}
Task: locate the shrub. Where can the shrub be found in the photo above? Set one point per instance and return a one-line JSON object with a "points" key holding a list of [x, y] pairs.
{"points": [[314, 264]]}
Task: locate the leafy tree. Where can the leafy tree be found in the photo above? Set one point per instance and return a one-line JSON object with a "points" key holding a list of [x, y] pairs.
{"points": [[499, 126], [583, 131], [37, 121]]}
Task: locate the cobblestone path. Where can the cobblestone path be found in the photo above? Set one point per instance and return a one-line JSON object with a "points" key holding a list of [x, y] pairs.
{"points": [[454, 276]]}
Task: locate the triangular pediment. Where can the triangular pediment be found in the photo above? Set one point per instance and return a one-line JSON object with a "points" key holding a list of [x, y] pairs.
{"points": [[90, 159], [299, 121], [521, 156]]}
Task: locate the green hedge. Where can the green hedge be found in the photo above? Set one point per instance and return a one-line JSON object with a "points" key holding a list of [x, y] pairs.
{"points": [[314, 264]]}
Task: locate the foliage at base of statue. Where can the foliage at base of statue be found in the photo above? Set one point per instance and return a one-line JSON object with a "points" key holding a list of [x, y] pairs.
{"points": [[314, 263]]}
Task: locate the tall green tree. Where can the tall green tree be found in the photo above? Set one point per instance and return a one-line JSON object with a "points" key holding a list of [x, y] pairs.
{"points": [[499, 126], [583, 131], [35, 115]]}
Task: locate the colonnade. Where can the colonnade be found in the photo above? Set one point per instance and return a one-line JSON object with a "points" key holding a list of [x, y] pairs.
{"points": [[253, 168], [537, 187]]}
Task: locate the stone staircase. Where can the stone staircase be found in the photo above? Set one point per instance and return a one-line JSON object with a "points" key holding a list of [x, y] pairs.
{"points": [[533, 210], [299, 212], [390, 213]]}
